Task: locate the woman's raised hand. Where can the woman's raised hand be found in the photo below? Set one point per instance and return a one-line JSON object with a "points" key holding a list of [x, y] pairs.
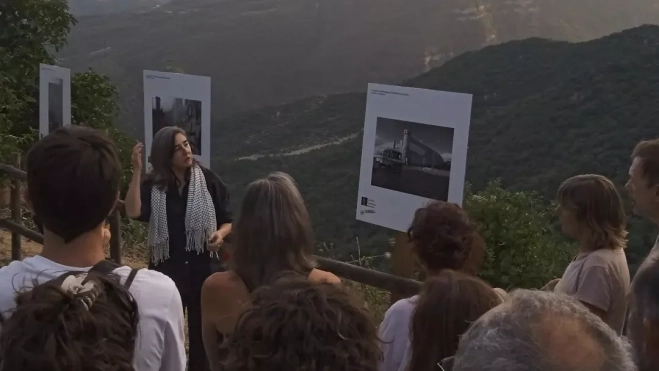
{"points": [[136, 157]]}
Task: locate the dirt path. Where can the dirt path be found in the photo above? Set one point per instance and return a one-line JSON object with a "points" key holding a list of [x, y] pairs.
{"points": [[300, 151]]}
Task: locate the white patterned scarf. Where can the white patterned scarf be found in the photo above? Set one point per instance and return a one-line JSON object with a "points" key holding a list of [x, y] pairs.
{"points": [[200, 218]]}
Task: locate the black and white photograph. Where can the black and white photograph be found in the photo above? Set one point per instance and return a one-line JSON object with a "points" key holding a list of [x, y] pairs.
{"points": [[175, 99], [414, 150], [55, 104], [412, 158], [181, 112], [54, 98]]}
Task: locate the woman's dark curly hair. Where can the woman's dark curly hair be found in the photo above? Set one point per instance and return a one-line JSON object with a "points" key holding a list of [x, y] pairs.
{"points": [[51, 328], [445, 238], [294, 324]]}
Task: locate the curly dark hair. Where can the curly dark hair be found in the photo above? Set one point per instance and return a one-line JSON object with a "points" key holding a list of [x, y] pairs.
{"points": [[52, 329], [294, 324], [444, 238]]}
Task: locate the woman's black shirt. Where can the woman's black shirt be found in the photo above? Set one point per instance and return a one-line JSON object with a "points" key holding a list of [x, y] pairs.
{"points": [[176, 208]]}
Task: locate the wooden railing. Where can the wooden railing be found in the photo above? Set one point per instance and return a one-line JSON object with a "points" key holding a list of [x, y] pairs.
{"points": [[398, 286]]}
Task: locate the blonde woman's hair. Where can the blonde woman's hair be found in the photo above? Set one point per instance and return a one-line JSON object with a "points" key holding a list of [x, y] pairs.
{"points": [[597, 206]]}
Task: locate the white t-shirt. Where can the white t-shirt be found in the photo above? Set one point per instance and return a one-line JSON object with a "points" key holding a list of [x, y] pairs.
{"points": [[395, 335], [160, 344]]}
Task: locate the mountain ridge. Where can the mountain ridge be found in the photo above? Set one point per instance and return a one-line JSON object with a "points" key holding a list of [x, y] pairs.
{"points": [[268, 52], [543, 111]]}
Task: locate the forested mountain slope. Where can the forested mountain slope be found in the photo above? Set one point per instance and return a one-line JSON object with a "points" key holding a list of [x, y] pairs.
{"points": [[265, 52], [543, 111]]}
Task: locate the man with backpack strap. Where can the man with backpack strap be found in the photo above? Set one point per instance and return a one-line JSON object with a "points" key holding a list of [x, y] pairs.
{"points": [[73, 180]]}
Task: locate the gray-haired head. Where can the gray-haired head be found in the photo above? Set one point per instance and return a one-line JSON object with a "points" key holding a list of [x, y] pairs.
{"points": [[542, 331]]}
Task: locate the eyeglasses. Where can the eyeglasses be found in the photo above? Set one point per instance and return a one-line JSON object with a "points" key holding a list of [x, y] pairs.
{"points": [[446, 364]]}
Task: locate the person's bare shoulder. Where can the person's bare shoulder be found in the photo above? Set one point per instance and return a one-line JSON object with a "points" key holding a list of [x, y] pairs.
{"points": [[320, 276], [223, 296], [223, 284], [219, 280]]}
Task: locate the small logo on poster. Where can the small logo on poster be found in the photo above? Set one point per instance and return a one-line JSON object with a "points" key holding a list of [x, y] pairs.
{"points": [[367, 203]]}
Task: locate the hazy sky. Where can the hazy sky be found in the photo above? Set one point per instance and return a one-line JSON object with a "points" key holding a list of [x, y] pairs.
{"points": [[436, 137]]}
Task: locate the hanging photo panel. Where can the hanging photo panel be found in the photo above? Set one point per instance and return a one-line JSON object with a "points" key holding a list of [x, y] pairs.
{"points": [[173, 99], [414, 151], [54, 98]]}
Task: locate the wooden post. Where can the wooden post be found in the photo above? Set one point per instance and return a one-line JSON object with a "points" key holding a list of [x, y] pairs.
{"points": [[115, 238], [16, 214], [403, 262]]}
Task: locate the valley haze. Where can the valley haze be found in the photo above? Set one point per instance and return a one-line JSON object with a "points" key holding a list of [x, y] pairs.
{"points": [[269, 52]]}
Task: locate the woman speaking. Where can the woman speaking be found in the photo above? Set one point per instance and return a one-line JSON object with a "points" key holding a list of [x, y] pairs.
{"points": [[185, 205]]}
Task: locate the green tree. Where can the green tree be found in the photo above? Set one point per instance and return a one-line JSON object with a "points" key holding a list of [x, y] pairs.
{"points": [[30, 31], [523, 250], [11, 108], [94, 104]]}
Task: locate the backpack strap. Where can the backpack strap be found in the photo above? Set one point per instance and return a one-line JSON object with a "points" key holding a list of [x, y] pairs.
{"points": [[105, 267], [131, 277]]}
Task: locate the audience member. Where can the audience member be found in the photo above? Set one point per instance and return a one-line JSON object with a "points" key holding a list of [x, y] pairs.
{"points": [[643, 186], [295, 324], [272, 234], [591, 211], [442, 237], [447, 305], [185, 205], [643, 329], [542, 331], [77, 322], [73, 180], [107, 235]]}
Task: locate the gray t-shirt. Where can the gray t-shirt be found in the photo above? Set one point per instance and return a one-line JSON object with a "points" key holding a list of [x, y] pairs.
{"points": [[652, 257], [600, 278]]}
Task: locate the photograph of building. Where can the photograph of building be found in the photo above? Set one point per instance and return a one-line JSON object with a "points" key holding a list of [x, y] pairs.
{"points": [[181, 112], [412, 158], [55, 104], [54, 98]]}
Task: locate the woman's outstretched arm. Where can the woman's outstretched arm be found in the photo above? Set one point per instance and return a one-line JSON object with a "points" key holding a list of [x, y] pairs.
{"points": [[133, 202]]}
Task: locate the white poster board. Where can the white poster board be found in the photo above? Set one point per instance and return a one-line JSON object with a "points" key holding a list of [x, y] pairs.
{"points": [[414, 150], [173, 99], [54, 98]]}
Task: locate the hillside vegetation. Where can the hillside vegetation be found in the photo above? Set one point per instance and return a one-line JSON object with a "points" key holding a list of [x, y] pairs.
{"points": [[269, 52], [543, 111], [530, 96]]}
